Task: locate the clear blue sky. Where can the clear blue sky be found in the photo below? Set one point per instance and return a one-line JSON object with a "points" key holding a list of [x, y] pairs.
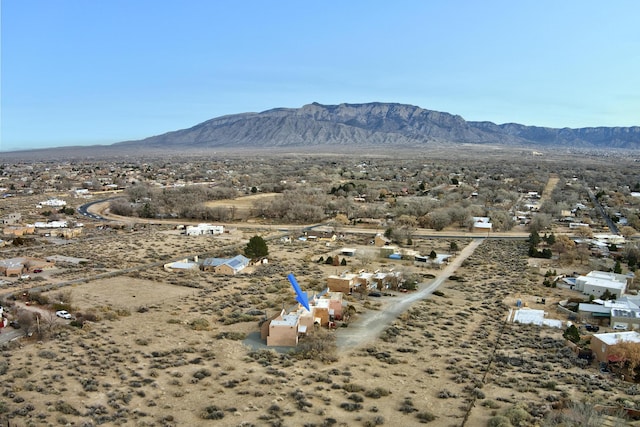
{"points": [[81, 72]]}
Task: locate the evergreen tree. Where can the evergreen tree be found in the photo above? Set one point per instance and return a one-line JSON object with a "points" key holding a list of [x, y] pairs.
{"points": [[572, 334], [617, 268], [256, 248], [534, 238]]}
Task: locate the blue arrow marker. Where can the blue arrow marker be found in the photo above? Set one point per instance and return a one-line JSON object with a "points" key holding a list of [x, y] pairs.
{"points": [[301, 297]]}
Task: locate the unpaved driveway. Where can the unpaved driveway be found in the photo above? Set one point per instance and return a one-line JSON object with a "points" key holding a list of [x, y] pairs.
{"points": [[368, 326]]}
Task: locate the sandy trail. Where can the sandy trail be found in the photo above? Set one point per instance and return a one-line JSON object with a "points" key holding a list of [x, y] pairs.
{"points": [[369, 325]]}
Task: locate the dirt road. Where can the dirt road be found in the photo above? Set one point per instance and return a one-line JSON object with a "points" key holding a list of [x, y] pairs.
{"points": [[368, 326]]}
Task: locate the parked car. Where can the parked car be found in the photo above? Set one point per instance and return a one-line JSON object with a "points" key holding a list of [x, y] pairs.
{"points": [[63, 314], [37, 270], [14, 324], [592, 328], [375, 294], [619, 327]]}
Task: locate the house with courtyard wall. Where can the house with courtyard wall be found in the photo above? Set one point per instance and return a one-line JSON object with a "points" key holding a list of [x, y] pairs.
{"points": [[285, 329]]}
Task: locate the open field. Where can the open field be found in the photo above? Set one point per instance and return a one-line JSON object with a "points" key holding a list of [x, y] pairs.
{"points": [[166, 357]]}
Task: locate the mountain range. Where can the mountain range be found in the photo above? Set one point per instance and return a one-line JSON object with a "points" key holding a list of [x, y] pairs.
{"points": [[375, 124]]}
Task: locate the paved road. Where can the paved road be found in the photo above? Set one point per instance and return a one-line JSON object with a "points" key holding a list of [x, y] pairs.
{"points": [[596, 203], [368, 326], [91, 213]]}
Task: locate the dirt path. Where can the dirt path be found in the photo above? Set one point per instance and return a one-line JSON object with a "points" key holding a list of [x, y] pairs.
{"points": [[548, 189], [368, 326]]}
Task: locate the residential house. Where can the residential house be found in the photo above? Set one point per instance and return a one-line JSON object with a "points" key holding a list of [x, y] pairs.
{"points": [[596, 283], [347, 251], [56, 203], [228, 266], [602, 344], [17, 230], [11, 219], [343, 283], [481, 224], [285, 329], [437, 262], [387, 280], [12, 266], [380, 240], [204, 229]]}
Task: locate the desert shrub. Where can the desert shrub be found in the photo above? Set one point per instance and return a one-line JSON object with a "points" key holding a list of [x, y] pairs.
{"points": [[62, 306], [123, 311], [517, 415], [352, 387], [202, 373], [355, 397], [235, 336], [438, 293], [425, 416], [4, 366], [39, 298], [47, 354], [499, 421], [406, 407], [351, 406], [66, 408], [377, 393], [479, 394], [200, 324], [490, 404], [110, 315], [376, 421], [142, 341], [212, 413], [320, 345]]}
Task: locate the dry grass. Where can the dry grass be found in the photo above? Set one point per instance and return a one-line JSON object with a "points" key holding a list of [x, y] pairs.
{"points": [[172, 353]]}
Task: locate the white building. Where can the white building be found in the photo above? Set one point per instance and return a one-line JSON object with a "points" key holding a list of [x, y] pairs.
{"points": [[597, 283], [56, 203], [203, 228], [50, 224]]}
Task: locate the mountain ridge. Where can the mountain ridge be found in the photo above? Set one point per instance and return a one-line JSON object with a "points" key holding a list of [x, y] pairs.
{"points": [[376, 124]]}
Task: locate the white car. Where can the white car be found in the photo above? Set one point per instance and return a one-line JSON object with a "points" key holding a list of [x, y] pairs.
{"points": [[63, 314]]}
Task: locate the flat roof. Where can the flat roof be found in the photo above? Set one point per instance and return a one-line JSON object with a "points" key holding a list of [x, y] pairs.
{"points": [[536, 317], [287, 320], [617, 337]]}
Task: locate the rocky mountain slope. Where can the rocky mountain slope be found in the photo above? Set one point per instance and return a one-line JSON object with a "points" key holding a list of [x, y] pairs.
{"points": [[374, 124]]}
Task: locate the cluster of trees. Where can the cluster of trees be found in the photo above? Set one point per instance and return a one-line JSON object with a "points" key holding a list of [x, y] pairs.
{"points": [[534, 241], [181, 202]]}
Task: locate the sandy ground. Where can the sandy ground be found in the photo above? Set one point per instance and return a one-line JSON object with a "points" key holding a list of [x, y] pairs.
{"points": [[165, 350]]}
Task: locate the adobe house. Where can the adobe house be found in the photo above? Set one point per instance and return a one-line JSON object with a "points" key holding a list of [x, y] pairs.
{"points": [[284, 330], [12, 266], [602, 344], [343, 283], [380, 241]]}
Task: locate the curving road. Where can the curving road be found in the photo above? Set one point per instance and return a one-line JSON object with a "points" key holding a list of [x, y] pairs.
{"points": [[369, 325]]}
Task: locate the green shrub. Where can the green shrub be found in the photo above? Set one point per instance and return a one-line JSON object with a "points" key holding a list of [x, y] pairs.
{"points": [[212, 413]]}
